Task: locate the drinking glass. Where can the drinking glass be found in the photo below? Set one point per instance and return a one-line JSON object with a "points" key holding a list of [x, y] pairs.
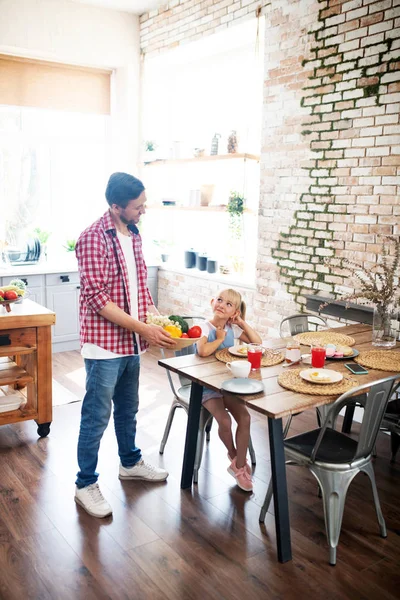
{"points": [[318, 354], [254, 354]]}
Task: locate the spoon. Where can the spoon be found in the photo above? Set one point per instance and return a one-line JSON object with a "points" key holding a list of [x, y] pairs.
{"points": [[294, 362]]}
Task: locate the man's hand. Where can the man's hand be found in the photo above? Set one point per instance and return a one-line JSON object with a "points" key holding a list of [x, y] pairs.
{"points": [[157, 336]]}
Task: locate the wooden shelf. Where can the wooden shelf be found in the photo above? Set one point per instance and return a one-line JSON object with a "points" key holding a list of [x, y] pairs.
{"points": [[12, 350], [20, 414], [10, 373], [176, 161], [193, 208]]}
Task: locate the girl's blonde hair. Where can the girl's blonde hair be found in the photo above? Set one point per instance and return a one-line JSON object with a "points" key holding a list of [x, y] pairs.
{"points": [[236, 299]]}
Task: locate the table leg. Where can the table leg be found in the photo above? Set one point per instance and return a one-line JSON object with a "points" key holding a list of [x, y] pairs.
{"points": [[279, 486], [348, 418], [192, 429]]}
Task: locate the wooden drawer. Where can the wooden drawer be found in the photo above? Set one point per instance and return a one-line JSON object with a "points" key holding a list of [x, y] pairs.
{"points": [[62, 278], [30, 280], [14, 341]]}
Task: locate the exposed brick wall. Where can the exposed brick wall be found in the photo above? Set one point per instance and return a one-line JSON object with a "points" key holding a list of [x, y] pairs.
{"points": [[331, 135], [353, 130], [191, 295], [182, 21]]}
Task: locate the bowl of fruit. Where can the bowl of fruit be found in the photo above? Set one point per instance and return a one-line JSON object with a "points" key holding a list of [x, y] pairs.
{"points": [[178, 328], [14, 292]]}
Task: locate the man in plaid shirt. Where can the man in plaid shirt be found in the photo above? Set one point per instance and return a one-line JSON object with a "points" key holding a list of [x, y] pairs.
{"points": [[114, 300]]}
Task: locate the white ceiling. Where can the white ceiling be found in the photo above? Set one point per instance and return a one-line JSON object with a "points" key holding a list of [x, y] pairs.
{"points": [[137, 7]]}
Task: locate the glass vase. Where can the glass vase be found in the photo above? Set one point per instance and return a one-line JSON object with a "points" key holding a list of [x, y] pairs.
{"points": [[384, 328]]}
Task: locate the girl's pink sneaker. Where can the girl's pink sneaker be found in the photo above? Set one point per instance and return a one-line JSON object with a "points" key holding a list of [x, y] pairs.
{"points": [[246, 466], [242, 476]]}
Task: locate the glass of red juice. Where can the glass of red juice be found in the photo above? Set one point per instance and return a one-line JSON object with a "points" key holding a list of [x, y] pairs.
{"points": [[254, 354], [318, 354]]}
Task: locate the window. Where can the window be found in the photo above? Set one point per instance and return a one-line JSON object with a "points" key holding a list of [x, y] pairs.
{"points": [[53, 172], [54, 150], [189, 94]]}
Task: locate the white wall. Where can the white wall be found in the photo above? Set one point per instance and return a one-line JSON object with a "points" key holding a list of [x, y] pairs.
{"points": [[73, 33]]}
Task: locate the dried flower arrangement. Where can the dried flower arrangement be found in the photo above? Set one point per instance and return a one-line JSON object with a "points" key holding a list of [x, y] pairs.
{"points": [[380, 284]]}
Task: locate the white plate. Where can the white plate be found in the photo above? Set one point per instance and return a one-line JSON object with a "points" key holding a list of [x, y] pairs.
{"points": [[242, 385], [236, 352], [8, 403], [348, 357], [334, 376]]}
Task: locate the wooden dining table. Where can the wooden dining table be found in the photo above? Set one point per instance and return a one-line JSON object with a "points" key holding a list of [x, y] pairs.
{"points": [[274, 402]]}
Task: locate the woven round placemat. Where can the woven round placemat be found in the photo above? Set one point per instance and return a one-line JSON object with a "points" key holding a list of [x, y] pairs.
{"points": [[382, 360], [324, 337], [269, 358], [291, 380]]}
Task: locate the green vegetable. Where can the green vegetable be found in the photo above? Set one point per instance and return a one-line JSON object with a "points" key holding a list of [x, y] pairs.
{"points": [[19, 284], [181, 322]]}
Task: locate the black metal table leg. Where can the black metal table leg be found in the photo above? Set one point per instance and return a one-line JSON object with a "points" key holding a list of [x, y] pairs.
{"points": [[192, 430], [348, 418], [279, 486]]}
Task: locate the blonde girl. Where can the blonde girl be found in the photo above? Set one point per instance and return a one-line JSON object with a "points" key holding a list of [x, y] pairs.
{"points": [[227, 324]]}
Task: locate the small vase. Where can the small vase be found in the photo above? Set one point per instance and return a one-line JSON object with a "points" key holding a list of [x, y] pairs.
{"points": [[384, 325]]}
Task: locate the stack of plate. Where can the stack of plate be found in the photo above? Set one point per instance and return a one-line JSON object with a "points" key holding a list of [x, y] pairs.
{"points": [[8, 403], [27, 253]]}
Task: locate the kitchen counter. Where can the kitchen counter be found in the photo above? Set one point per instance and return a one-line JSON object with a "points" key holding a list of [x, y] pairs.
{"points": [[45, 268], [231, 279], [42, 268]]}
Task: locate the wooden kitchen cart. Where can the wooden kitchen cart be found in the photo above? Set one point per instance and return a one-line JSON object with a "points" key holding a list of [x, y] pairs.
{"points": [[26, 361]]}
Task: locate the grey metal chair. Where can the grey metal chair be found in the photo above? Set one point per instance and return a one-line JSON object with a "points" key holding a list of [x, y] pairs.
{"points": [[335, 459], [391, 423], [181, 400], [300, 323]]}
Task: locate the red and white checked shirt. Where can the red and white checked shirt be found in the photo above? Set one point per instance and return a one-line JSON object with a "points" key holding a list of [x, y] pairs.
{"points": [[104, 278]]}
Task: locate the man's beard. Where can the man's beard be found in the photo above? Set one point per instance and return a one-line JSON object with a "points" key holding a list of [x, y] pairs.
{"points": [[126, 221]]}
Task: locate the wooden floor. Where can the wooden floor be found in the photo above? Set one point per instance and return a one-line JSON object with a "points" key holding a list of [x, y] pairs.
{"points": [[162, 542]]}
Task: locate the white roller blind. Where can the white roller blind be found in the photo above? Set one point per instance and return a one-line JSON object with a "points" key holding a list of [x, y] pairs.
{"points": [[41, 84]]}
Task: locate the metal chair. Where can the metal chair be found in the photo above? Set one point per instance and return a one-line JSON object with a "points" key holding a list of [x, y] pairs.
{"points": [[335, 459], [300, 323], [181, 400], [391, 423]]}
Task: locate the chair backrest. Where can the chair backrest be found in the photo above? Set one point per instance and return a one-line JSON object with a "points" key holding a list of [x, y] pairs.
{"points": [[184, 352], [374, 398], [301, 323], [391, 418]]}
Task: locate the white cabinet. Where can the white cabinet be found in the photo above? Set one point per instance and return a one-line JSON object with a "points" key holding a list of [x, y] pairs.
{"points": [[62, 296]]}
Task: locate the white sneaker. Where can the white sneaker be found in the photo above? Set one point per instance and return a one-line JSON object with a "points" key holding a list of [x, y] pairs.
{"points": [[143, 470], [93, 501]]}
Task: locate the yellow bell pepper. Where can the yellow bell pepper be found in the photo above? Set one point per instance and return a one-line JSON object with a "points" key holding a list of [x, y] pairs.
{"points": [[173, 330]]}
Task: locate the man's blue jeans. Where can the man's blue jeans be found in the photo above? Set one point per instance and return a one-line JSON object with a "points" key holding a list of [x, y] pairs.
{"points": [[110, 380]]}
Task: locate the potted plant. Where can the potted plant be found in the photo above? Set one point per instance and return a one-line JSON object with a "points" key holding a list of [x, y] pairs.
{"points": [[70, 245], [164, 247], [379, 286], [235, 209], [42, 236], [149, 151]]}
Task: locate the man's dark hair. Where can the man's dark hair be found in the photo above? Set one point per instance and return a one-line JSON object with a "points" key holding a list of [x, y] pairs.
{"points": [[121, 188]]}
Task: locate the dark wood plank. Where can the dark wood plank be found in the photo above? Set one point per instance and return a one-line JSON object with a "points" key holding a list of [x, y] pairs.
{"points": [[163, 542]]}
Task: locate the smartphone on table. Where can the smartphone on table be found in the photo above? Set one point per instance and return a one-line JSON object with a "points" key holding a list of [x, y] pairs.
{"points": [[356, 368]]}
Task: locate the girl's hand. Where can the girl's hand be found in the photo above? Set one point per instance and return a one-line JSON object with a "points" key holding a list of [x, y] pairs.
{"points": [[237, 320], [220, 334]]}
